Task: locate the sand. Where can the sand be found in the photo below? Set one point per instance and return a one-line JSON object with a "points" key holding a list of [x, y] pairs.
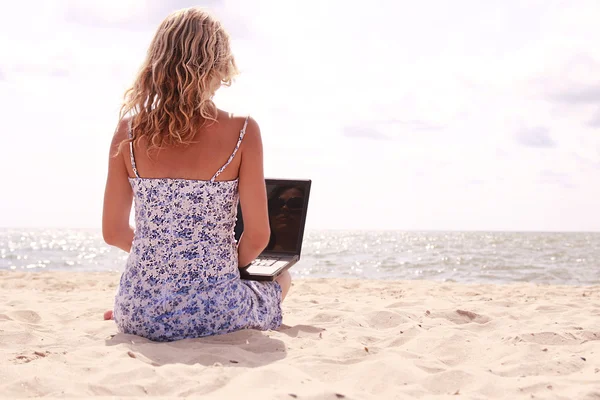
{"points": [[342, 339]]}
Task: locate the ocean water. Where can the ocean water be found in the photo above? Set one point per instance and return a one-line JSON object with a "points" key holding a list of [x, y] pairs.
{"points": [[470, 257]]}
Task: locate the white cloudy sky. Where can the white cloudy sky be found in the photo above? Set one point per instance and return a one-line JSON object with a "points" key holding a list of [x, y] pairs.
{"points": [[455, 115]]}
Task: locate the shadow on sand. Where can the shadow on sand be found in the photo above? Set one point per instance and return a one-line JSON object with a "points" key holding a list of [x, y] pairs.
{"points": [[246, 348]]}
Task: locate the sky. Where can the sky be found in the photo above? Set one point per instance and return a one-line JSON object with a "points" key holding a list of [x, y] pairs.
{"points": [[431, 115]]}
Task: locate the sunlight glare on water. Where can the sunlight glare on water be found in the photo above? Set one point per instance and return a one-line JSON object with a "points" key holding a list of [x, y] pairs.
{"points": [[494, 257]]}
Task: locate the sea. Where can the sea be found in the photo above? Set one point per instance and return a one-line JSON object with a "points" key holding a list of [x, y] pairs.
{"points": [[466, 257]]}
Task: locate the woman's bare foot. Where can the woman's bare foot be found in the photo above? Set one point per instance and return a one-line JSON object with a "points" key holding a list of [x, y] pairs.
{"points": [[108, 315]]}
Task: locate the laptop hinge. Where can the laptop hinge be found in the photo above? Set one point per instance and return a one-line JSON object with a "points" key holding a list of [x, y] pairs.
{"points": [[268, 254]]}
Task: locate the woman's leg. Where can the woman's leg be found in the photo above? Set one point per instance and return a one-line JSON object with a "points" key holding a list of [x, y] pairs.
{"points": [[285, 281]]}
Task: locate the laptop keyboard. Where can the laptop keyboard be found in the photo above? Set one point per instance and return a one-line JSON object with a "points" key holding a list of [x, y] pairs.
{"points": [[265, 262]]}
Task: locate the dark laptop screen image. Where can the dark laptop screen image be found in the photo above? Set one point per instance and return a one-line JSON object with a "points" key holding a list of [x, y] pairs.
{"points": [[287, 203]]}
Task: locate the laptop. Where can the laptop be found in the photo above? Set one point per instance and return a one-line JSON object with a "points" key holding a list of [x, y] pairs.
{"points": [[288, 204]]}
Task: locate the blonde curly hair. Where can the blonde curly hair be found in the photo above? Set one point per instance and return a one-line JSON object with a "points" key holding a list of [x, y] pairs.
{"points": [[189, 58]]}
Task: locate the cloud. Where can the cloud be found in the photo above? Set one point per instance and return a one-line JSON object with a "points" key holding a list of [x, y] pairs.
{"points": [[578, 95], [595, 121], [369, 132], [146, 15], [381, 129], [556, 178], [414, 125], [587, 162], [538, 136], [475, 182], [161, 7], [34, 69]]}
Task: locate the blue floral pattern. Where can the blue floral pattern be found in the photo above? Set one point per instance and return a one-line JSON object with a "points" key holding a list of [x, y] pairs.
{"points": [[182, 279]]}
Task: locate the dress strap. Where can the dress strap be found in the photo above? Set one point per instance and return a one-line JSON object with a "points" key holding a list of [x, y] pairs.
{"points": [[130, 134], [237, 146]]}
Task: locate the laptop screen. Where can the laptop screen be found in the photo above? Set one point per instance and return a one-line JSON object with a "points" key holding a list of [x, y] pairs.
{"points": [[288, 202]]}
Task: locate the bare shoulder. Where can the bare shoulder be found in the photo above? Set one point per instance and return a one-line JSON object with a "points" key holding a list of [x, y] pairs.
{"points": [[252, 133], [252, 143], [252, 126], [235, 123], [121, 134]]}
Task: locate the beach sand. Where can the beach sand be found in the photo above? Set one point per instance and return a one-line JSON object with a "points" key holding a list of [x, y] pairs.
{"points": [[352, 339]]}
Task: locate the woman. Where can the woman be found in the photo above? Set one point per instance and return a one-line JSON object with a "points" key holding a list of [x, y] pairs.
{"points": [[185, 163]]}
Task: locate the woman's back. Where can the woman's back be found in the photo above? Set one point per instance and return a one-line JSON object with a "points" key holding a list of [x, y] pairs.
{"points": [[184, 224], [209, 150]]}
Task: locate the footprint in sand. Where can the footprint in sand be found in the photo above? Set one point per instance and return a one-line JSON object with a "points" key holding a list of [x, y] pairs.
{"points": [[589, 336], [449, 382], [554, 338], [385, 319], [460, 317], [27, 316], [24, 359]]}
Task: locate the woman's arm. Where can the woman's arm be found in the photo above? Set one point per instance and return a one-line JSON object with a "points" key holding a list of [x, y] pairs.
{"points": [[253, 197], [118, 196]]}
